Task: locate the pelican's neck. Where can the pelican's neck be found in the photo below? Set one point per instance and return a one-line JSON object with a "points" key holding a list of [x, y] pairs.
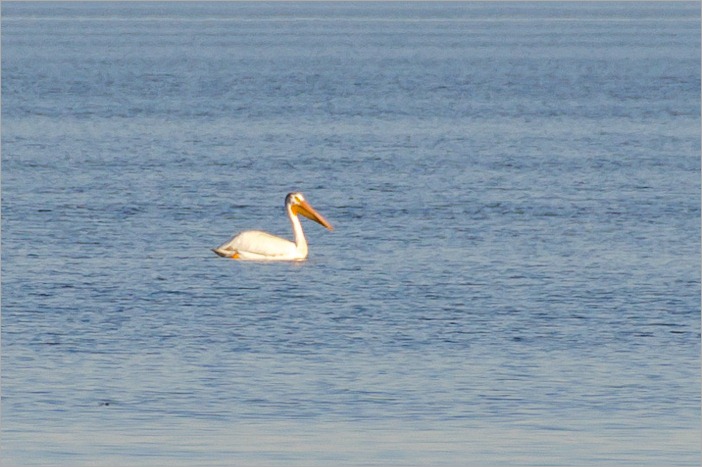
{"points": [[300, 240]]}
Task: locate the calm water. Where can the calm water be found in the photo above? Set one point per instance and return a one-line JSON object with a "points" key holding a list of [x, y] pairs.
{"points": [[514, 278]]}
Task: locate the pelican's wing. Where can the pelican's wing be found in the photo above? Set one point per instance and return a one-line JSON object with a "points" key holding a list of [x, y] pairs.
{"points": [[255, 244]]}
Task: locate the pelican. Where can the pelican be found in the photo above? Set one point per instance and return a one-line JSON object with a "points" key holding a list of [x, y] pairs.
{"points": [[261, 246]]}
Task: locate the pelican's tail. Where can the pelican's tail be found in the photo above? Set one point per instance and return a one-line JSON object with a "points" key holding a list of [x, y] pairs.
{"points": [[219, 252], [226, 253]]}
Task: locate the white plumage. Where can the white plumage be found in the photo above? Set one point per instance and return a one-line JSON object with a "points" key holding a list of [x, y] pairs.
{"points": [[256, 245]]}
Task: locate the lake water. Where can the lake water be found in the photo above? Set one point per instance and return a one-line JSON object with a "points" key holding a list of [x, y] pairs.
{"points": [[514, 275]]}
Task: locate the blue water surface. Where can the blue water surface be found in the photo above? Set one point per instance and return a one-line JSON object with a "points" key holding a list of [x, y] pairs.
{"points": [[514, 275]]}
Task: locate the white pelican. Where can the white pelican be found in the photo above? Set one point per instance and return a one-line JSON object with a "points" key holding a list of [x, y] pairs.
{"points": [[261, 246]]}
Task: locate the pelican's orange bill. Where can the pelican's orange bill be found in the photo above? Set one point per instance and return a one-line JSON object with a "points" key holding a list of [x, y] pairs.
{"points": [[309, 212]]}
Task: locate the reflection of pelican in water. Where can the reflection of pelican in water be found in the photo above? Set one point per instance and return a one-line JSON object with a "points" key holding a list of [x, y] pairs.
{"points": [[261, 246]]}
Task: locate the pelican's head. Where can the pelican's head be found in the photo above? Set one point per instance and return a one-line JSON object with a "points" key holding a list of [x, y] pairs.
{"points": [[298, 205]]}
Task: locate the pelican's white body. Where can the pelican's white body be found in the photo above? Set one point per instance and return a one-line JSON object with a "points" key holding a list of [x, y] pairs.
{"points": [[255, 245]]}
